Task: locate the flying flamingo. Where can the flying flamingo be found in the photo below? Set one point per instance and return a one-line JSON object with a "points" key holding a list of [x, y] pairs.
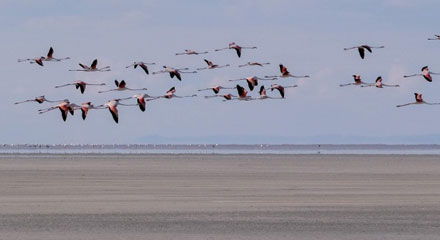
{"points": [[65, 107], [143, 65], [85, 107], [112, 107], [173, 72], [226, 96], [242, 93], [419, 100], [237, 48], [362, 48], [142, 100], [379, 84], [170, 94], [253, 64], [215, 89], [252, 81], [81, 85], [121, 86], [281, 88], [40, 60], [39, 100], [92, 68], [425, 73], [212, 66], [437, 37], [286, 74], [357, 81], [191, 52]]}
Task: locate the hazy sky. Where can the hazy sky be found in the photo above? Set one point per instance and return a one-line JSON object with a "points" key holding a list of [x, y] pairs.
{"points": [[307, 36]]}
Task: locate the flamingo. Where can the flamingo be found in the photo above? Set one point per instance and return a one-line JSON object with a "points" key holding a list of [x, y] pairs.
{"points": [[49, 58], [242, 93], [281, 88], [65, 107], [81, 85], [425, 73], [142, 100], [236, 47], [253, 64], [419, 100], [85, 107], [212, 66], [226, 96], [92, 68], [173, 72], [357, 81], [286, 74], [191, 52], [215, 89], [112, 107], [143, 65], [121, 86], [379, 84], [437, 37], [252, 81], [362, 48], [170, 94], [39, 100]]}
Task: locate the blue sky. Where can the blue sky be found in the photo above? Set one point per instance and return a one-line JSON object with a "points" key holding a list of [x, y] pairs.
{"points": [[307, 36]]}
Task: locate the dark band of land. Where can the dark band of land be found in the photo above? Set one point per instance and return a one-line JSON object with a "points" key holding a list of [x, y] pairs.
{"points": [[219, 196]]}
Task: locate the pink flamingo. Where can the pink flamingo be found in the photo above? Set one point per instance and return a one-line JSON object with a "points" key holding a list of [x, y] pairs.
{"points": [[85, 107], [170, 94], [281, 88], [49, 58], [425, 73], [357, 81], [143, 65], [215, 89], [212, 66], [225, 96], [253, 64], [419, 100], [173, 72], [191, 52], [112, 107], [39, 100], [65, 107], [236, 47], [253, 81], [81, 85], [286, 74], [121, 86], [362, 48], [92, 68], [379, 84], [142, 100]]}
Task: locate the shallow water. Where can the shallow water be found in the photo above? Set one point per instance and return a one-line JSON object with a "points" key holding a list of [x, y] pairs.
{"points": [[218, 149]]}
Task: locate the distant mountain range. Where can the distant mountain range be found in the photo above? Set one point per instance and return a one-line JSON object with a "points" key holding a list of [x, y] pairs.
{"points": [[321, 139]]}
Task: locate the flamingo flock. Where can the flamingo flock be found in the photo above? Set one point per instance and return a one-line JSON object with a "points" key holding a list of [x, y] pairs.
{"points": [[66, 107]]}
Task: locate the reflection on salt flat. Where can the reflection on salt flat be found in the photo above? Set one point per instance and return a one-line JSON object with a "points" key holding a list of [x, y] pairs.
{"points": [[216, 149]]}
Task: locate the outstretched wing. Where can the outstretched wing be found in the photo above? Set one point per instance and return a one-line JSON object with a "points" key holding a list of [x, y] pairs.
{"points": [[94, 64], [50, 53], [361, 52], [144, 67]]}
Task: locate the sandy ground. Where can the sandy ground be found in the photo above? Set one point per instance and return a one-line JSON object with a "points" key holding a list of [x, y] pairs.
{"points": [[219, 197]]}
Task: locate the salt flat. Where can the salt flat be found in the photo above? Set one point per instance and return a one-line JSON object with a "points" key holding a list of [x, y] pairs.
{"points": [[219, 197]]}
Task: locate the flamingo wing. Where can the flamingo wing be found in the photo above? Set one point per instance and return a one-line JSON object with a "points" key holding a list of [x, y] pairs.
{"points": [[50, 53], [94, 64]]}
